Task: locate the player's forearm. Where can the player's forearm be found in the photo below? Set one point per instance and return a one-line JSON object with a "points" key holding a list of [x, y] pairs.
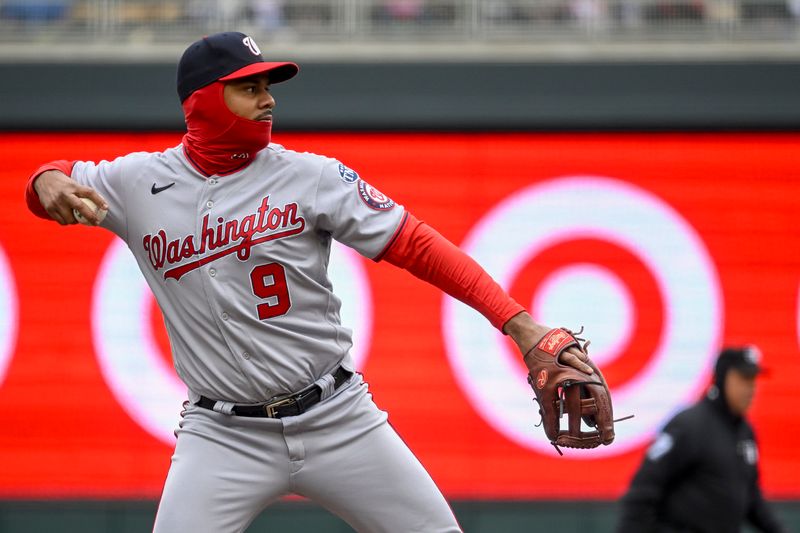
{"points": [[429, 256]]}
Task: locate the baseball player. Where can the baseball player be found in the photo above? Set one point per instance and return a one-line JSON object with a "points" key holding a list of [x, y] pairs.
{"points": [[233, 236]]}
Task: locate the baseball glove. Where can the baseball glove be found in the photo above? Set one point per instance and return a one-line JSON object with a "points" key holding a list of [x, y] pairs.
{"points": [[560, 389]]}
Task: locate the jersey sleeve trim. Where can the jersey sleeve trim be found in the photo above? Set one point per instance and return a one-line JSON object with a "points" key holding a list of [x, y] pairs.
{"points": [[394, 237], [32, 198]]}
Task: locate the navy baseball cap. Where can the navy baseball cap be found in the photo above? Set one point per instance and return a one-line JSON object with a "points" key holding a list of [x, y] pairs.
{"points": [[745, 359], [226, 56]]}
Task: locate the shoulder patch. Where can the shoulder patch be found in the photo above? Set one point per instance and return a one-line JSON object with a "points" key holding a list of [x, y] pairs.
{"points": [[660, 447], [373, 197], [347, 174]]}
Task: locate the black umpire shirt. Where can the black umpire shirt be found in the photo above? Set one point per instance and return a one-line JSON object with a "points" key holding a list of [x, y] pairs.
{"points": [[700, 475]]}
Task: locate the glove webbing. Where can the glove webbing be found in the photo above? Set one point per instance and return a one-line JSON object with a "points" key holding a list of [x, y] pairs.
{"points": [[562, 398]]}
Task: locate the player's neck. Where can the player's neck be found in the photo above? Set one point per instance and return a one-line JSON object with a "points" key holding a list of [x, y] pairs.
{"points": [[218, 141], [210, 162]]}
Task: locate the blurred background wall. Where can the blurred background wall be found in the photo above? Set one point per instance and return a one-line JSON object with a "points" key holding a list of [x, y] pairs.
{"points": [[454, 106], [411, 64]]}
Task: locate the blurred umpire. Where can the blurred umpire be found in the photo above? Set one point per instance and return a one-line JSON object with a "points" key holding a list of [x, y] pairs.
{"points": [[700, 475]]}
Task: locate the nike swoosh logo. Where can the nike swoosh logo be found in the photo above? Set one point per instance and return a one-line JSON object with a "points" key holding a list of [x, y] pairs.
{"points": [[156, 190]]}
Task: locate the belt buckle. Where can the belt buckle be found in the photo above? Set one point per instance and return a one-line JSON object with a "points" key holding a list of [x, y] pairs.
{"points": [[271, 408]]}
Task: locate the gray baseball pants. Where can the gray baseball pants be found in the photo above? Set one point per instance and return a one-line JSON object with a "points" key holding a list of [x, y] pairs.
{"points": [[342, 454]]}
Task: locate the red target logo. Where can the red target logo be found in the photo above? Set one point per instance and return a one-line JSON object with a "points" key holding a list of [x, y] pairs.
{"points": [[612, 257], [8, 314]]}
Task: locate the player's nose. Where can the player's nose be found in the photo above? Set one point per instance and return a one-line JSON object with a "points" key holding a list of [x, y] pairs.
{"points": [[266, 101]]}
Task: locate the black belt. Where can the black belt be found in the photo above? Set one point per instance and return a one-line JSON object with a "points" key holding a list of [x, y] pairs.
{"points": [[289, 406]]}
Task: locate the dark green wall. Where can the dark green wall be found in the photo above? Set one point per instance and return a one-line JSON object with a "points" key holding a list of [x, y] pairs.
{"points": [[430, 96], [304, 517]]}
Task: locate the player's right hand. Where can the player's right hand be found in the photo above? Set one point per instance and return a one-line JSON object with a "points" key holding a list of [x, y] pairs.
{"points": [[59, 195]]}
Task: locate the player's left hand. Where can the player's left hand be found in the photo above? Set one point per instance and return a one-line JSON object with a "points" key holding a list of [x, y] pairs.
{"points": [[527, 334], [561, 389]]}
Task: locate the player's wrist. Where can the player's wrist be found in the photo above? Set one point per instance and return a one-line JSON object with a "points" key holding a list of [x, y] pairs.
{"points": [[524, 331], [38, 184], [44, 179]]}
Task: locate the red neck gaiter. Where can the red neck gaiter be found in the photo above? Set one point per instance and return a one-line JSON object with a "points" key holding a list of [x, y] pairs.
{"points": [[217, 141]]}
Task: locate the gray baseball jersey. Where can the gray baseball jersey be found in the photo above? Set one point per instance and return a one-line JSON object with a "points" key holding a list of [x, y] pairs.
{"points": [[238, 263]]}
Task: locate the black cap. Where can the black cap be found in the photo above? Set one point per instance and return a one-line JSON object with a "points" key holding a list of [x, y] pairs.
{"points": [[226, 56], [745, 359]]}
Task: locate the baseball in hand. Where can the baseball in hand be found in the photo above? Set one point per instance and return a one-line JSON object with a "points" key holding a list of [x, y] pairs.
{"points": [[101, 213]]}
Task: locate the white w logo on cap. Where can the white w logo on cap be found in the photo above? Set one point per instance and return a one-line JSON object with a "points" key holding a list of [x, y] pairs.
{"points": [[251, 44]]}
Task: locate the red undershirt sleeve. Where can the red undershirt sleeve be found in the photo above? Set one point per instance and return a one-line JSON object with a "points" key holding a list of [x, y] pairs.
{"points": [[31, 198], [425, 253]]}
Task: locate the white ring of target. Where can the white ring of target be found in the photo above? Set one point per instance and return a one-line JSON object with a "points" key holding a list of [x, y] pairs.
{"points": [[8, 315], [600, 208], [565, 293], [130, 358]]}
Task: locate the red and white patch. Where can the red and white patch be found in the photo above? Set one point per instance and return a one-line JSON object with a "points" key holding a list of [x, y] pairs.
{"points": [[555, 341], [373, 197], [541, 379]]}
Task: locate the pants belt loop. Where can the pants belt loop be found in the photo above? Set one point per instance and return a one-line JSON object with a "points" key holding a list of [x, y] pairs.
{"points": [[226, 408], [326, 385]]}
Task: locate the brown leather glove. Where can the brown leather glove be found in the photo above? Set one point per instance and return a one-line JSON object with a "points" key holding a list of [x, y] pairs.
{"points": [[563, 389]]}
